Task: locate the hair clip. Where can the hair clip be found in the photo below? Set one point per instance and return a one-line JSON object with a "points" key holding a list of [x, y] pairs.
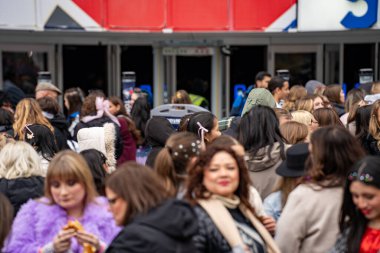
{"points": [[364, 177], [29, 135]]}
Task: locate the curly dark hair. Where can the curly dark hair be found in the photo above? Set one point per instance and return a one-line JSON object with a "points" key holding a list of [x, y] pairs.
{"points": [[195, 188]]}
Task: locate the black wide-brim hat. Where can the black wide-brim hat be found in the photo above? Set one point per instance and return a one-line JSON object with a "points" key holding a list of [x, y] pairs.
{"points": [[294, 165]]}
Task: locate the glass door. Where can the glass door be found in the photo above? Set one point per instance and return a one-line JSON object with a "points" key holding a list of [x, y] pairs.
{"points": [[20, 64], [303, 62]]}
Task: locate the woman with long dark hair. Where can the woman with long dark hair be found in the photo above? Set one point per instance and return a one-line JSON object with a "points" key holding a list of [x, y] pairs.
{"points": [[360, 217], [260, 135]]}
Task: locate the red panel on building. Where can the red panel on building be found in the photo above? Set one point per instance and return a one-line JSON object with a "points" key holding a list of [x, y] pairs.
{"points": [[136, 14], [198, 14], [258, 14], [94, 8]]}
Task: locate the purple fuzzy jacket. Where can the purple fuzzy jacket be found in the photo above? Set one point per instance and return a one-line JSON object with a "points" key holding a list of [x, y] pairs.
{"points": [[37, 223]]}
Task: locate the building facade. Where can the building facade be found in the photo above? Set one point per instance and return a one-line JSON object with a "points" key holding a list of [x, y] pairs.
{"points": [[206, 47]]}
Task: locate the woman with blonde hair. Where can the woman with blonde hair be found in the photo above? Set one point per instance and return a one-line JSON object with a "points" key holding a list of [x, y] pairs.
{"points": [[294, 132], [305, 104], [296, 93], [172, 161], [46, 224], [306, 118], [21, 177], [28, 112]]}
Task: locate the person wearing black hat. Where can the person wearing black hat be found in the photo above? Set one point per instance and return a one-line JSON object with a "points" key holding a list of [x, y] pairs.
{"points": [[291, 170]]}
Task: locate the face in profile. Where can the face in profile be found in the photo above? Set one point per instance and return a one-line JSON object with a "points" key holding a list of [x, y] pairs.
{"points": [[117, 206], [214, 133], [221, 177]]}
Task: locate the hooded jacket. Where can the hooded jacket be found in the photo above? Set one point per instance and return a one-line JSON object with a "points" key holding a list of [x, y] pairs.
{"points": [[157, 131], [61, 131], [167, 228], [262, 168]]}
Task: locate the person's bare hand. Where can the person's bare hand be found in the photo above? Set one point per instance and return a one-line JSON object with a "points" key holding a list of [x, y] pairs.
{"points": [[62, 241], [269, 223]]}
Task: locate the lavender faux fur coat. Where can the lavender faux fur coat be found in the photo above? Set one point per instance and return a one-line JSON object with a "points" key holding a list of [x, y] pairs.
{"points": [[37, 223]]}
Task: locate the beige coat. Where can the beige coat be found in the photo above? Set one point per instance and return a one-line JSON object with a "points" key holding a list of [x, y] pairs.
{"points": [[309, 221], [262, 169]]}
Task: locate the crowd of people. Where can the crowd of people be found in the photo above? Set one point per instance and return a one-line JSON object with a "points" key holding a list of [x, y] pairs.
{"points": [[295, 170]]}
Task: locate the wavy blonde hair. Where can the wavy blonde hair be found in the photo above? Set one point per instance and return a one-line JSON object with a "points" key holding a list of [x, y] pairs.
{"points": [[374, 126], [28, 111], [19, 159]]}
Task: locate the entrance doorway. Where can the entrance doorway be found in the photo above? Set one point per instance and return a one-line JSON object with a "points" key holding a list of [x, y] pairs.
{"points": [[303, 62], [188, 68], [194, 75], [85, 67], [20, 64]]}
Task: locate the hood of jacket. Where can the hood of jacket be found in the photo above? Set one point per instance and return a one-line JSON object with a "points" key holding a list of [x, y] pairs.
{"points": [[59, 122], [174, 218], [262, 161], [157, 131]]}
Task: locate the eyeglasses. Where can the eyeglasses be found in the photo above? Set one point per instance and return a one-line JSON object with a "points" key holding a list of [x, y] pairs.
{"points": [[113, 200]]}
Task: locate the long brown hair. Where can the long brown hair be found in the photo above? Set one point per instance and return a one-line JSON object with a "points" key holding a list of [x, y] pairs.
{"points": [[327, 117], [334, 150], [139, 186], [6, 214], [286, 185], [195, 188], [374, 126], [123, 112], [172, 160], [70, 165], [28, 111], [332, 92]]}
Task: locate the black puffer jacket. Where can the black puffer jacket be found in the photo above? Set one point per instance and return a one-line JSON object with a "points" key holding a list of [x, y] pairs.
{"points": [[99, 123], [20, 190], [168, 228], [209, 239], [157, 131], [370, 145]]}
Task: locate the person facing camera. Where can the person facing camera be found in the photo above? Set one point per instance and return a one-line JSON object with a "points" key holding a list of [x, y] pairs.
{"points": [[218, 187], [152, 221], [70, 218]]}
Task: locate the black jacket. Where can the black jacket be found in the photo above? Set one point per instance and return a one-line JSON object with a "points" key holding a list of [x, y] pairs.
{"points": [[209, 239], [168, 228], [158, 130], [20, 190], [370, 145], [61, 131]]}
